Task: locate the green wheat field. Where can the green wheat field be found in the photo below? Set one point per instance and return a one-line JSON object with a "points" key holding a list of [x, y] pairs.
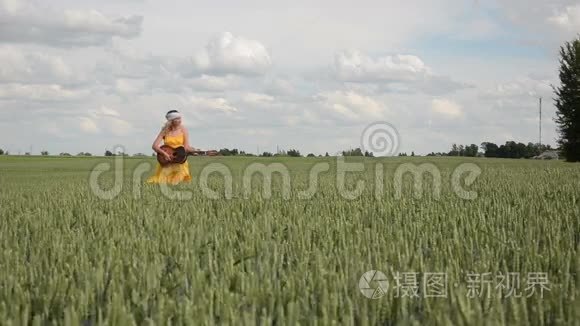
{"points": [[511, 256]]}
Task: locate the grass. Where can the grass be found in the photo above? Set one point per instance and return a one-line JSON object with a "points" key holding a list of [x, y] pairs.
{"points": [[68, 257]]}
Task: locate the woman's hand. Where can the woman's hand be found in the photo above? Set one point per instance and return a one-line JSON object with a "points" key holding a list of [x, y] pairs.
{"points": [[163, 153], [166, 155]]}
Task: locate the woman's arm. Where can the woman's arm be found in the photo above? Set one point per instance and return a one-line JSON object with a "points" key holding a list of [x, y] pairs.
{"points": [[157, 143], [186, 141]]}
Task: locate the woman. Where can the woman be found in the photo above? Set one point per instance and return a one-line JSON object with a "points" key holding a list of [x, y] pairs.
{"points": [[174, 135]]}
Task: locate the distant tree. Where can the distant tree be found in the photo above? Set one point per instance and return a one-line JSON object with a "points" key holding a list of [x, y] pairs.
{"points": [[504, 151], [454, 150], [474, 150], [489, 149], [266, 154], [510, 149], [353, 152], [326, 154], [437, 154], [139, 154], [109, 153], [471, 150], [568, 101], [64, 154], [228, 152], [520, 150], [369, 154], [532, 150], [310, 155], [412, 153], [44, 153], [294, 153], [1, 151]]}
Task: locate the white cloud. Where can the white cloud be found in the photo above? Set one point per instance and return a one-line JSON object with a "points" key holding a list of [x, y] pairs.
{"points": [[446, 107], [393, 73], [217, 104], [127, 86], [106, 111], [118, 127], [36, 23], [353, 106], [518, 88], [13, 6], [227, 53], [279, 86], [105, 119], [95, 22], [88, 125], [568, 18], [353, 65], [33, 66], [52, 128], [258, 99], [544, 23], [215, 83], [40, 92]]}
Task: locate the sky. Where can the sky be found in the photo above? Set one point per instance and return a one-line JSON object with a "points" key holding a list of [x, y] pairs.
{"points": [[87, 76]]}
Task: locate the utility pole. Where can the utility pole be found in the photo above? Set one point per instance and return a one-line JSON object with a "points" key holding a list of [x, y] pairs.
{"points": [[540, 122]]}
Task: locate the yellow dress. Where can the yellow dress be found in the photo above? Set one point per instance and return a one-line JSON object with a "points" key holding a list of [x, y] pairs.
{"points": [[171, 173]]}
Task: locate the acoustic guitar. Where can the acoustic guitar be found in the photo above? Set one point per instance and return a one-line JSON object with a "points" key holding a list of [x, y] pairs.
{"points": [[179, 155]]}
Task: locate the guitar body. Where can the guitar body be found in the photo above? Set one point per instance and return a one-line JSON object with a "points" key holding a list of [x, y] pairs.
{"points": [[179, 155]]}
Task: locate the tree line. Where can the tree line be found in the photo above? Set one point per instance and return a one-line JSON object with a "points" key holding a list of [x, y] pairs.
{"points": [[510, 149]]}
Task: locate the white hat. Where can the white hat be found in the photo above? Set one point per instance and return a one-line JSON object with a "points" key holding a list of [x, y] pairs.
{"points": [[173, 114]]}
